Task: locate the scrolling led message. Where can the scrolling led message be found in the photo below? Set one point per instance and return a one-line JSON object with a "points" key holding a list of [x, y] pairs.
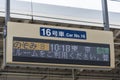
{"points": [[60, 52]]}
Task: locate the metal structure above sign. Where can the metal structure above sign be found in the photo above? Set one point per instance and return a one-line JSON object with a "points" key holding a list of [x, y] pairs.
{"points": [[58, 46]]}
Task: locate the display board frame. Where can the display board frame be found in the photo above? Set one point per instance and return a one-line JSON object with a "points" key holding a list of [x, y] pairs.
{"points": [[24, 30]]}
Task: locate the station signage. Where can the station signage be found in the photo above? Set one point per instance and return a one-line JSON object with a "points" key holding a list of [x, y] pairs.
{"points": [[62, 33], [59, 46]]}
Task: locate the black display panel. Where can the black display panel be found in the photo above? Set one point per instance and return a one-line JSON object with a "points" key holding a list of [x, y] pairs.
{"points": [[60, 52]]}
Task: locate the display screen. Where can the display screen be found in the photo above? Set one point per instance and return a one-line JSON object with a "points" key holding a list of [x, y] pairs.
{"points": [[60, 52]]}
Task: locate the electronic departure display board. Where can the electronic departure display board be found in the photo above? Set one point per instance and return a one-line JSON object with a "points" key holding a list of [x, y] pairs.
{"points": [[54, 46], [60, 52]]}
